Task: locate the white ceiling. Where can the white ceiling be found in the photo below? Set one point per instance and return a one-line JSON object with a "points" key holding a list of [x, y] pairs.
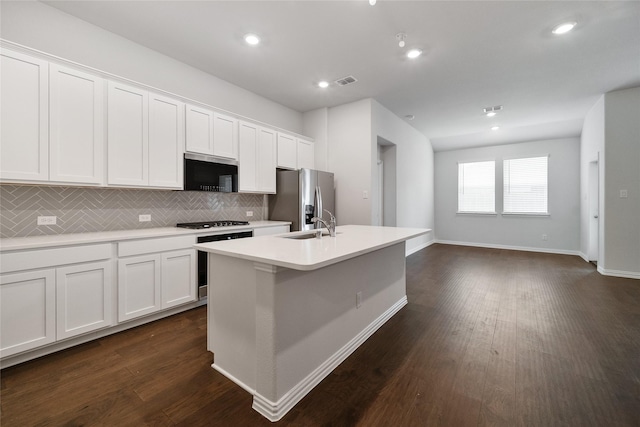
{"points": [[477, 54]]}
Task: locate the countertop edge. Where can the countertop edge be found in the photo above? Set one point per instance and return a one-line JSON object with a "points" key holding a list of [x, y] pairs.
{"points": [[57, 240]]}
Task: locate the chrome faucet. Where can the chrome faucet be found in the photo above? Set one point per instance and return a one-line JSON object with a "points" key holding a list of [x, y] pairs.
{"points": [[331, 225]]}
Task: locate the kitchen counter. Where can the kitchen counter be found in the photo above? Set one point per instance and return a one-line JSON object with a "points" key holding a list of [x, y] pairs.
{"points": [[37, 242], [284, 312], [310, 254]]}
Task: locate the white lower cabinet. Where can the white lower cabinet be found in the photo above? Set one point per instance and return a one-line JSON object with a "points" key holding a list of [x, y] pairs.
{"points": [[84, 298], [265, 231], [27, 311], [138, 286], [155, 274]]}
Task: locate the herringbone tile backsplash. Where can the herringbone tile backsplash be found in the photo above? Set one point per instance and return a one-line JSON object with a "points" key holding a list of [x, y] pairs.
{"points": [[103, 209]]}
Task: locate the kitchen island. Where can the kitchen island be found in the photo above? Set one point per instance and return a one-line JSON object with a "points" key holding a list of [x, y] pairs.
{"points": [[285, 310]]}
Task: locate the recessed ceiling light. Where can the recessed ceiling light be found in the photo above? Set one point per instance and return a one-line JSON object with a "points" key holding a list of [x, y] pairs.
{"points": [[414, 53], [252, 39], [323, 84], [495, 128], [491, 113], [372, 2], [564, 28]]}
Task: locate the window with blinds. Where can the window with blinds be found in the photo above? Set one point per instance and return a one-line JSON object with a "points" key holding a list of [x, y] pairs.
{"points": [[525, 186], [476, 187]]}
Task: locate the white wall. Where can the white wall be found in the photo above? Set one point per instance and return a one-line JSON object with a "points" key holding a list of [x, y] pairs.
{"points": [[314, 124], [350, 159], [514, 231], [414, 173], [591, 147], [622, 172], [44, 28]]}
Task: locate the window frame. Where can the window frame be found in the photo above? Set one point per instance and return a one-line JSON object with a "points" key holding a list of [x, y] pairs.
{"points": [[533, 214], [494, 212]]}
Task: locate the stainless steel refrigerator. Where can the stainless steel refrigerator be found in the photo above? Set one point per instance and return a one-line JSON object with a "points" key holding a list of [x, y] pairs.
{"points": [[301, 195]]}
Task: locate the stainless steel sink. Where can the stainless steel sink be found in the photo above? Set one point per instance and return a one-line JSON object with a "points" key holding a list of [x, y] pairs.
{"points": [[307, 235]]}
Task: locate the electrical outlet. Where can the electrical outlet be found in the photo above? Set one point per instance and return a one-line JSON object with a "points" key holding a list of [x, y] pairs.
{"points": [[623, 194], [249, 213], [544, 237], [358, 299], [47, 220], [365, 194], [144, 218]]}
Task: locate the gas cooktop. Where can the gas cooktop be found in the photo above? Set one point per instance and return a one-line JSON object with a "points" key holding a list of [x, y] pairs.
{"points": [[211, 224]]}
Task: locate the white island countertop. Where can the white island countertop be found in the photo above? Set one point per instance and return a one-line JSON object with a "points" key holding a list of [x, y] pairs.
{"points": [[311, 254]]}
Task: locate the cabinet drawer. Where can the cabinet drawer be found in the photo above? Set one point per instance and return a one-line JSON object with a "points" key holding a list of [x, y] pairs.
{"points": [[31, 259], [161, 244]]}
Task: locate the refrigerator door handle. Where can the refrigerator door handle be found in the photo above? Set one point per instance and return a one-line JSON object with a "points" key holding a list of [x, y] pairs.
{"points": [[318, 204]]}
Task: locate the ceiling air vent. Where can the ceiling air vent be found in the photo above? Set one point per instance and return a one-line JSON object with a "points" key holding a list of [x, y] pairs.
{"points": [[346, 81]]}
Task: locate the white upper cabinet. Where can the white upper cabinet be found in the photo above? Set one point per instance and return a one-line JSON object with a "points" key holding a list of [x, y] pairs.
{"points": [[76, 128], [225, 136], [145, 138], [306, 154], [128, 135], [24, 114], [266, 165], [199, 130], [166, 142], [248, 143], [287, 151]]}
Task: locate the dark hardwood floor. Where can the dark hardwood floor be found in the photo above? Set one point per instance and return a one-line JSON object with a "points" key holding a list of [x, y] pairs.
{"points": [[489, 337]]}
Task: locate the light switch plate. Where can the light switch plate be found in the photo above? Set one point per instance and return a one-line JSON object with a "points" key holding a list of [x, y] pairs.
{"points": [[144, 218], [249, 213], [47, 220]]}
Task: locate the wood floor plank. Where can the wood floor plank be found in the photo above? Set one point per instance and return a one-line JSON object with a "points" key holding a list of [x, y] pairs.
{"points": [[489, 337]]}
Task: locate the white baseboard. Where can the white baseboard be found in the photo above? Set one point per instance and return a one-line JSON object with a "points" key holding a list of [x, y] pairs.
{"points": [[274, 411], [232, 378], [619, 273], [419, 248], [511, 248], [583, 256]]}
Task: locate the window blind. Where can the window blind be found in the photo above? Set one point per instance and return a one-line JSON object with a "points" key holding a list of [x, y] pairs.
{"points": [[476, 187], [525, 185]]}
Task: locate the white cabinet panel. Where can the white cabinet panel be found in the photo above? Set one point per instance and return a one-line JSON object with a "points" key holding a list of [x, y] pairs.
{"points": [[24, 114], [266, 161], [166, 142], [84, 298], [287, 151], [265, 231], [27, 311], [76, 130], [139, 286], [225, 136], [306, 154], [199, 130], [128, 135], [248, 141], [178, 277]]}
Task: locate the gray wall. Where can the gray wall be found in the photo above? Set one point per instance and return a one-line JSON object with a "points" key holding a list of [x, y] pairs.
{"points": [[622, 172], [513, 231], [91, 209], [38, 26]]}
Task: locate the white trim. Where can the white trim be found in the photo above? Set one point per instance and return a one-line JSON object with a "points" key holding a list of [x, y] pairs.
{"points": [[476, 213], [274, 411], [511, 248], [583, 256], [232, 378], [619, 273], [419, 248]]}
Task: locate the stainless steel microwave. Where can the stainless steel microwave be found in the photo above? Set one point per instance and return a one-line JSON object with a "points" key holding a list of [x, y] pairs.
{"points": [[205, 173]]}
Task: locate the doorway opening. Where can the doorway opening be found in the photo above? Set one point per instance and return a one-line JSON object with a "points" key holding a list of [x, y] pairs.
{"points": [[594, 202], [386, 183]]}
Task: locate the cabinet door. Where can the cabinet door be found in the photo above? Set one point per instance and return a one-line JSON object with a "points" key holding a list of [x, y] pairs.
{"points": [[76, 130], [306, 155], [84, 298], [266, 161], [225, 136], [199, 130], [166, 142], [128, 135], [287, 151], [139, 286], [178, 277], [248, 140], [27, 311], [24, 114], [266, 231]]}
